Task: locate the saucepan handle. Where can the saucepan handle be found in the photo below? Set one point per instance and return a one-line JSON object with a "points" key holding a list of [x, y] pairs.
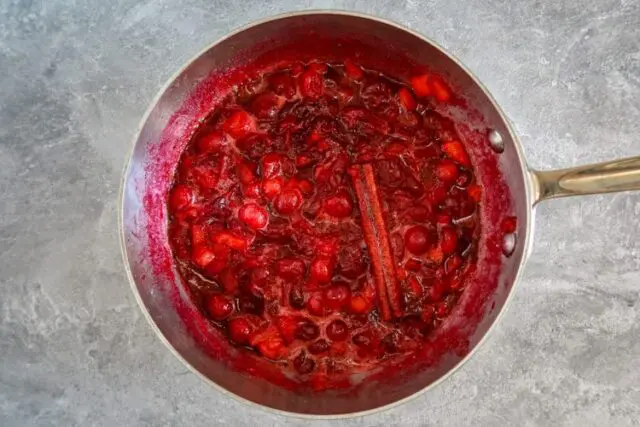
{"points": [[607, 177]]}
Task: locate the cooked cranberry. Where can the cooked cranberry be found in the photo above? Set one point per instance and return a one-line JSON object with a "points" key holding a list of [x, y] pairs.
{"points": [[353, 70], [406, 99], [240, 330], [316, 305], [363, 339], [219, 306], [266, 106], [180, 198], [307, 330], [449, 240], [322, 270], [283, 84], [447, 170], [296, 297], [210, 142], [311, 84], [271, 187], [303, 364], [239, 124], [271, 348], [337, 330], [290, 268], [421, 85], [337, 296], [339, 205], [288, 201], [251, 304], [417, 239], [319, 346], [271, 165], [254, 216], [314, 188]]}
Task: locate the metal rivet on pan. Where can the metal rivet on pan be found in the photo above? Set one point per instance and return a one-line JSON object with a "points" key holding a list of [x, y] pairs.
{"points": [[508, 244], [495, 139]]}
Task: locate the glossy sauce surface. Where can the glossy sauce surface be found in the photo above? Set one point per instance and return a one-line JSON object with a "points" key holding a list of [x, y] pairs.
{"points": [[325, 216]]}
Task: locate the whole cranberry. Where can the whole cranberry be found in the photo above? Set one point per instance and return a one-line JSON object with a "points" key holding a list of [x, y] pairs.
{"points": [[219, 306], [417, 239], [240, 330], [339, 205], [337, 330], [337, 295]]}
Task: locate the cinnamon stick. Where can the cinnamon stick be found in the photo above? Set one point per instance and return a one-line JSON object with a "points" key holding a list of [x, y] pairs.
{"points": [[377, 239]]}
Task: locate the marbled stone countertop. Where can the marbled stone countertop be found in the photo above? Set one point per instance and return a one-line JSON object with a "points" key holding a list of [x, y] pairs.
{"points": [[75, 79]]}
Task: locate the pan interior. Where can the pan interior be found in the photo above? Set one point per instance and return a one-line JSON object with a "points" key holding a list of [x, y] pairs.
{"points": [[196, 90]]}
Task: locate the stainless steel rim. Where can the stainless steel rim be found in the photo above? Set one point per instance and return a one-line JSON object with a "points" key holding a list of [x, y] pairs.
{"points": [[527, 238]]}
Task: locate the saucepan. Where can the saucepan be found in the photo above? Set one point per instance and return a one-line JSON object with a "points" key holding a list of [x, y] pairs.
{"points": [[511, 189]]}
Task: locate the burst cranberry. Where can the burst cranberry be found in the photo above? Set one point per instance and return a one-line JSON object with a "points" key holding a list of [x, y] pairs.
{"points": [[455, 151], [232, 240], [315, 304], [337, 296], [283, 84], [340, 205], [413, 264], [288, 201], [240, 330], [318, 347], [211, 142], [414, 287], [287, 326], [447, 170], [311, 84], [180, 198], [290, 268], [239, 124], [337, 330], [452, 263], [449, 240], [266, 106], [271, 187], [307, 330], [363, 339], [353, 70], [421, 85], [321, 270], [303, 364], [271, 165], [440, 89], [254, 216], [272, 348], [219, 307], [406, 99], [202, 255], [296, 297], [417, 239]]}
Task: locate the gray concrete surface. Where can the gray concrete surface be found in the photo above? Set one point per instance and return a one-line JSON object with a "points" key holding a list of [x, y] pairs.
{"points": [[75, 78]]}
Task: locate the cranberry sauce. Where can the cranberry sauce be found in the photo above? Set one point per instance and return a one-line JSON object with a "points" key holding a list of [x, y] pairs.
{"points": [[325, 216]]}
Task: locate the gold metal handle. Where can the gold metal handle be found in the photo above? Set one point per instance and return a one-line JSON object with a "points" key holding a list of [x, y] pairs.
{"points": [[607, 177]]}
